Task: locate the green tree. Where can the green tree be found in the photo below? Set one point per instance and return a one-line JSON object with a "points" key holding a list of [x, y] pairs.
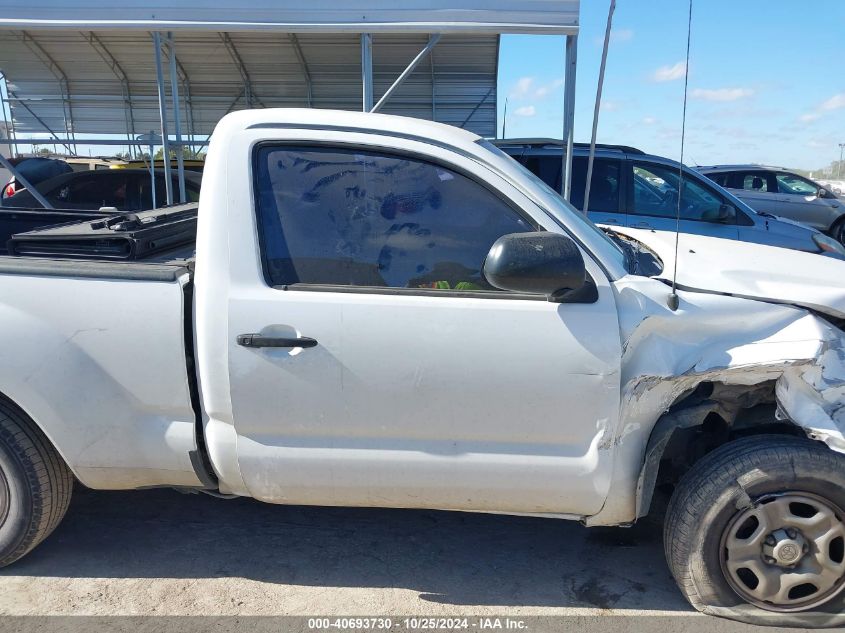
{"points": [[186, 153]]}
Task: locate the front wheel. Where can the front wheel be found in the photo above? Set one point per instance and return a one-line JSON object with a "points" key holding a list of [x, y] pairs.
{"points": [[756, 532]]}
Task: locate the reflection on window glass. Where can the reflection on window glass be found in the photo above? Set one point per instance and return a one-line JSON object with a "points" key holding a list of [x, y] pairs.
{"points": [[604, 184], [795, 186], [719, 179], [107, 190], [755, 182], [347, 217], [656, 194]]}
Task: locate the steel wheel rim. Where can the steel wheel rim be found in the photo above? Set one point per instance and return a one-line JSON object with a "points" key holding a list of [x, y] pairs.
{"points": [[760, 552]]}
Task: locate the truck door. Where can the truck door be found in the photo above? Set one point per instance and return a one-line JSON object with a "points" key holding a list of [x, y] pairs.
{"points": [[371, 364]]}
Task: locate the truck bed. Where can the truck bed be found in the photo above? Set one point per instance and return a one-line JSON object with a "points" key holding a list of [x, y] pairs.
{"points": [[99, 352]]}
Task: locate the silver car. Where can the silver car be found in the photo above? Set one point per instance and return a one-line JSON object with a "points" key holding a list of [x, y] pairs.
{"points": [[780, 192]]}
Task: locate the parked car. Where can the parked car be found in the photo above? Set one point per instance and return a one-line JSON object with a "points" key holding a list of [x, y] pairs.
{"points": [[35, 169], [385, 311], [783, 193], [632, 188], [122, 189]]}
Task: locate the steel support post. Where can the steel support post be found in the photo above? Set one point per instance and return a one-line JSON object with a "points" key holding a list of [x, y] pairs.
{"points": [[569, 113], [367, 71], [162, 112], [432, 42], [177, 123]]}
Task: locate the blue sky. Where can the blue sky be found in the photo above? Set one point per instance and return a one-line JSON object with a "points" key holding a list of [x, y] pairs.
{"points": [[767, 80]]}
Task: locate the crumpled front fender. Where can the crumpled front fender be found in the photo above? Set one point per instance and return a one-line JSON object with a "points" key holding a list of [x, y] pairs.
{"points": [[813, 396], [731, 341]]}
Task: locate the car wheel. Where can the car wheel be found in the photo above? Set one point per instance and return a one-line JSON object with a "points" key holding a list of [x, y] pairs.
{"points": [[837, 231], [756, 532], [35, 485]]}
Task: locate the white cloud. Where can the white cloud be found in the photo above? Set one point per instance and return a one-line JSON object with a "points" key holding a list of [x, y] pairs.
{"points": [[529, 110], [610, 106], [546, 89], [649, 120], [721, 94], [669, 73], [522, 87], [836, 102]]}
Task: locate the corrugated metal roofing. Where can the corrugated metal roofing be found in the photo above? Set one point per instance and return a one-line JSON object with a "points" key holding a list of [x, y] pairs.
{"points": [[87, 67], [74, 79]]}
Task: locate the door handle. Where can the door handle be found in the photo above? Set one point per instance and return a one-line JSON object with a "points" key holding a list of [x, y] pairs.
{"points": [[257, 340], [642, 225]]}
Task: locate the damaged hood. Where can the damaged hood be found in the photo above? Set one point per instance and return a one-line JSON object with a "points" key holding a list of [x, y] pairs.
{"points": [[752, 271]]}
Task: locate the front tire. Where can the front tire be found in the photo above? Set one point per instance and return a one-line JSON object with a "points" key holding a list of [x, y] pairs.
{"points": [[756, 532], [35, 485]]}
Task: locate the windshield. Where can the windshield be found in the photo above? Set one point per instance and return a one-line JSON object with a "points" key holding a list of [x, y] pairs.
{"points": [[563, 208]]}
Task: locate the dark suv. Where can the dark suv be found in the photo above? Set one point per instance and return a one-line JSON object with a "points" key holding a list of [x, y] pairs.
{"points": [[639, 190]]}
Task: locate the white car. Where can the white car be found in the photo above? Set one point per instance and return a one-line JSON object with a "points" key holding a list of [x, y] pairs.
{"points": [[390, 312]]}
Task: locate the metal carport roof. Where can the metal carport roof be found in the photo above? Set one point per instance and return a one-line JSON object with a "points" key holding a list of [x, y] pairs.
{"points": [[88, 68], [104, 82]]}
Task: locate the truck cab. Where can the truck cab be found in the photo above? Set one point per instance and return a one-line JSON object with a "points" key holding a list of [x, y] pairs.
{"points": [[389, 312]]}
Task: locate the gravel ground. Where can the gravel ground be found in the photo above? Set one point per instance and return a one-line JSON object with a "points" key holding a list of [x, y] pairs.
{"points": [[159, 552]]}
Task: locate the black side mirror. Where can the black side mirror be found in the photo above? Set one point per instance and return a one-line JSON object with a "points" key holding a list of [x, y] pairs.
{"points": [[537, 263], [823, 193]]}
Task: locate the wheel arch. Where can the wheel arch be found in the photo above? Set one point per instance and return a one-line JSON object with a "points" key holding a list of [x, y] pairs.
{"points": [[12, 405], [701, 421]]}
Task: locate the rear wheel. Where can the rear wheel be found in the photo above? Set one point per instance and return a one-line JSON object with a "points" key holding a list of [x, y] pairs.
{"points": [[837, 231], [35, 485], [756, 532]]}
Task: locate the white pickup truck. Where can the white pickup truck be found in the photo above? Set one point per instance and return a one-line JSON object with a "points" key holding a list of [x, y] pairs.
{"points": [[390, 312]]}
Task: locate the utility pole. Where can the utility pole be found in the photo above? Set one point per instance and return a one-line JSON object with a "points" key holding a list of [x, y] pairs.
{"points": [[839, 165], [505, 120]]}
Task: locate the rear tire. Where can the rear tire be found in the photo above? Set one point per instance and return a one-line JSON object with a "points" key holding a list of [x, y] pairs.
{"points": [[35, 485], [837, 231], [749, 495]]}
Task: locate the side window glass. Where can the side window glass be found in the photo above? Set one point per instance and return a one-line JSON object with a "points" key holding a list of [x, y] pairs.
{"points": [[755, 181], [192, 192], [604, 184], [362, 218], [656, 194], [793, 185], [95, 192], [547, 168], [146, 192], [719, 179]]}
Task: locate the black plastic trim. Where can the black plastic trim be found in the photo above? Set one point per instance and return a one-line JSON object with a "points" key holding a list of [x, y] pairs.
{"points": [[200, 459], [589, 294]]}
